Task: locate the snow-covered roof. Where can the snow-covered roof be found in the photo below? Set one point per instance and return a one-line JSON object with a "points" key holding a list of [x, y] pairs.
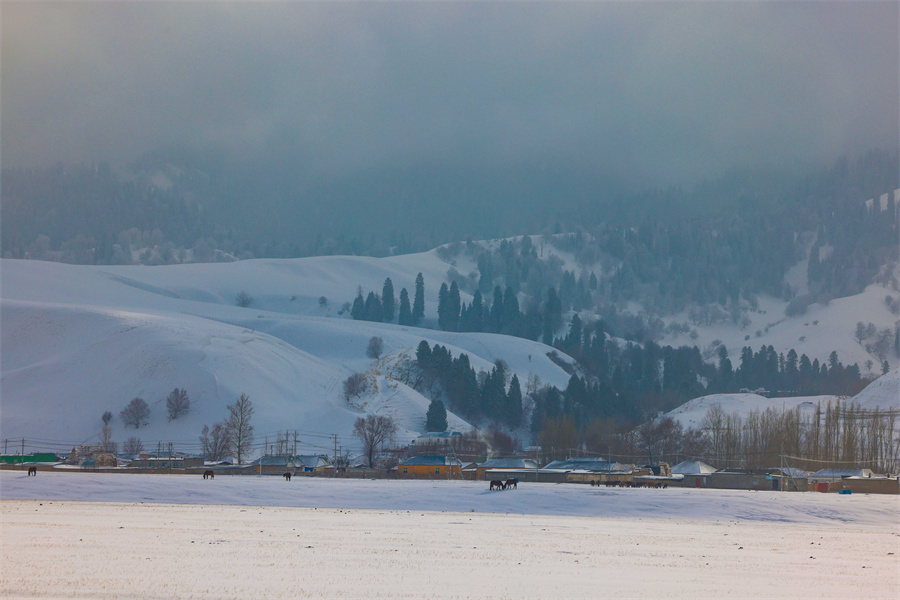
{"points": [[693, 467], [509, 463], [586, 464], [839, 473], [432, 461], [794, 472], [312, 460]]}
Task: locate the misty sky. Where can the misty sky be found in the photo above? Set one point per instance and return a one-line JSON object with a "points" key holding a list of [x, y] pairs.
{"points": [[656, 93]]}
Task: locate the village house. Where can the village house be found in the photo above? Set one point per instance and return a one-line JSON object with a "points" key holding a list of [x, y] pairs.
{"points": [[877, 484], [585, 470], [772, 479], [429, 467], [508, 468], [832, 480]]}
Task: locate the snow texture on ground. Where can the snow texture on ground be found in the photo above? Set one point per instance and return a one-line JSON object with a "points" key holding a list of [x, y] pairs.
{"points": [[176, 536]]}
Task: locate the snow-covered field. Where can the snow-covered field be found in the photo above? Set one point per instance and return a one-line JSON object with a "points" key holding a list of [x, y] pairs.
{"points": [[83, 535]]}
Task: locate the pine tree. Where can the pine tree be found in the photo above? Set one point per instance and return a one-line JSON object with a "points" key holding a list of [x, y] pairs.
{"points": [[495, 320], [443, 307], [404, 314], [423, 356], [387, 300], [359, 307], [372, 311], [476, 313], [418, 308], [552, 314], [453, 307], [511, 316], [436, 417], [514, 403]]}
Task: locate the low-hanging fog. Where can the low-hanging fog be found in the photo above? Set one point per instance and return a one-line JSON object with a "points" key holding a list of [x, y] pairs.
{"points": [[339, 118]]}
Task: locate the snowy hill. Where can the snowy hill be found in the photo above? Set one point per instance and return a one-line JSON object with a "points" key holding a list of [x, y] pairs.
{"points": [[80, 340], [692, 412], [822, 329], [883, 393]]}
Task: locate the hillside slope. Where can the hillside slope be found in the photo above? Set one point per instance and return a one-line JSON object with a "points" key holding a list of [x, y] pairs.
{"points": [[79, 340]]}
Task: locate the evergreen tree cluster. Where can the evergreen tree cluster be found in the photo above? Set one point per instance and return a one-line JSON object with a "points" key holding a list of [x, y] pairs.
{"points": [[380, 308], [634, 382], [473, 395]]}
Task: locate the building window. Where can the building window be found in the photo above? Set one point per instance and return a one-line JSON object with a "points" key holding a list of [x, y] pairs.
{"points": [[437, 470], [404, 469]]}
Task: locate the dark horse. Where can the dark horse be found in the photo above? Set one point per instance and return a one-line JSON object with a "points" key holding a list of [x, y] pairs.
{"points": [[496, 485], [209, 475], [32, 471], [287, 476], [513, 483]]}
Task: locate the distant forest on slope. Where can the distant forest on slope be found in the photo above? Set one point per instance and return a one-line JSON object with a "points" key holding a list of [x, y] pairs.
{"points": [[720, 241]]}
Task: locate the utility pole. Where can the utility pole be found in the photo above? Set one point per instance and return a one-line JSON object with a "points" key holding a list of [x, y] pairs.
{"points": [[334, 464]]}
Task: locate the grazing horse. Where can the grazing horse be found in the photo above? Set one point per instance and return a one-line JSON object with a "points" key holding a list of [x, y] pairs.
{"points": [[32, 471], [496, 485], [287, 476], [209, 475], [513, 483]]}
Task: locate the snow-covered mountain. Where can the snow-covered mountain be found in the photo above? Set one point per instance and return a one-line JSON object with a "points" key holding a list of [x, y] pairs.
{"points": [[80, 340]]}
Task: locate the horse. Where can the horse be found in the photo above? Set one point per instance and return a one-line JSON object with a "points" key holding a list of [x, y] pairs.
{"points": [[209, 475], [32, 471], [497, 485], [513, 483], [287, 476]]}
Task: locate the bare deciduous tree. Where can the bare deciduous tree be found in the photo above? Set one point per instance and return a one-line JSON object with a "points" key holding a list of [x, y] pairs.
{"points": [[372, 431], [106, 439], [558, 437], [133, 445], [177, 403], [215, 442], [657, 437], [240, 431], [135, 414], [107, 417], [355, 386]]}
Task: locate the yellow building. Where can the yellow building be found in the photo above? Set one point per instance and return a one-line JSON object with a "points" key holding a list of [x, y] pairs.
{"points": [[429, 467]]}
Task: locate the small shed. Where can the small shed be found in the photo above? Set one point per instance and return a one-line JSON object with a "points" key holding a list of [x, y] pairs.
{"points": [[694, 473], [742, 479]]}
